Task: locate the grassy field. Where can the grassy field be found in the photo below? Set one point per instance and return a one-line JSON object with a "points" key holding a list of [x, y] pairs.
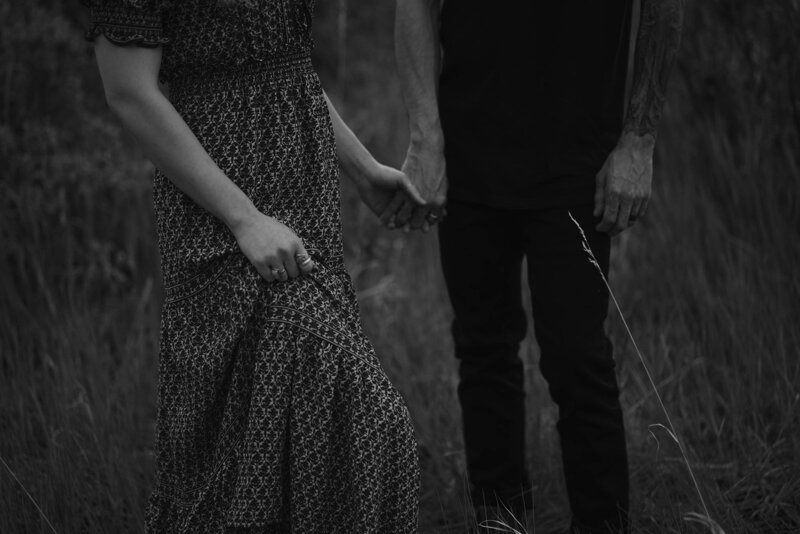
{"points": [[708, 283]]}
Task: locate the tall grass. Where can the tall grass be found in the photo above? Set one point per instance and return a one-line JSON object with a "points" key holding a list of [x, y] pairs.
{"points": [[708, 282]]}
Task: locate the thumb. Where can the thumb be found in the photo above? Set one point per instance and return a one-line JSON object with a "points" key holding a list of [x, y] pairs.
{"points": [[412, 191], [391, 208]]}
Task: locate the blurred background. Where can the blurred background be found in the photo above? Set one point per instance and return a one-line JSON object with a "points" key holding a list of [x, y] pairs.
{"points": [[708, 282]]}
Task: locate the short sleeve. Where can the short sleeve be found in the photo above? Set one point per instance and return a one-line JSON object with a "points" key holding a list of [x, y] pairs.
{"points": [[126, 22]]}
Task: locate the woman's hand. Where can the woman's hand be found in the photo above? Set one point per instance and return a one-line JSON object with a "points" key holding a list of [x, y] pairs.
{"points": [[379, 186], [383, 184], [272, 247]]}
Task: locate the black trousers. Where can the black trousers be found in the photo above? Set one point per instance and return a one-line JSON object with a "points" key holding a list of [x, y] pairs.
{"points": [[482, 250]]}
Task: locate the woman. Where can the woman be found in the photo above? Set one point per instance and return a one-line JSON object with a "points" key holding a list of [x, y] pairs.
{"points": [[274, 414]]}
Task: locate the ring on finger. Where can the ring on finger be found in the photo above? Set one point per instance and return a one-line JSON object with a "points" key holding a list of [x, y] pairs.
{"points": [[302, 259], [279, 273]]}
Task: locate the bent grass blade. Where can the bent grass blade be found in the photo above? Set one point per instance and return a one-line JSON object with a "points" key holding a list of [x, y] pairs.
{"points": [[694, 517]]}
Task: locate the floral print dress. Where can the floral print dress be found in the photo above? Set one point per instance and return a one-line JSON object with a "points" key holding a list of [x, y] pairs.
{"points": [[274, 415]]}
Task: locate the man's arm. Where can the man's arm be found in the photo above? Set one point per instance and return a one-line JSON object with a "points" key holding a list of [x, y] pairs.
{"points": [[418, 62], [657, 44], [624, 184]]}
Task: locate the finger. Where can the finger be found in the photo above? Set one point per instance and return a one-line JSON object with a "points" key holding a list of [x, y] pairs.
{"points": [[419, 217], [645, 205], [636, 209], [426, 226], [388, 218], [623, 215], [412, 192], [265, 272], [610, 211], [403, 215], [290, 264], [430, 221], [599, 192], [304, 261], [279, 272]]}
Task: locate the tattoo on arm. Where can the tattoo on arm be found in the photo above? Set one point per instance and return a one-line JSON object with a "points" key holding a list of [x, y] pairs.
{"points": [[656, 49]]}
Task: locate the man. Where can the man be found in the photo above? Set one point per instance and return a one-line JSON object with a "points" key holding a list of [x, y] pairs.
{"points": [[530, 113]]}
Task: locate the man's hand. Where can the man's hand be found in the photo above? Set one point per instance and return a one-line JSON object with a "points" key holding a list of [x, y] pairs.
{"points": [[624, 183], [382, 185], [425, 167]]}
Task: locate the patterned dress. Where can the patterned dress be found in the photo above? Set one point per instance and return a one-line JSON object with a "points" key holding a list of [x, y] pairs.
{"points": [[274, 414]]}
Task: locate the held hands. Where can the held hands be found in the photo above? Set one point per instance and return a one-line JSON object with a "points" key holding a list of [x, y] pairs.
{"points": [[381, 188], [624, 184], [273, 248], [425, 167]]}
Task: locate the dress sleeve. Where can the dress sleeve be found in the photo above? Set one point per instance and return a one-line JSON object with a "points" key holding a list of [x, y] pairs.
{"points": [[126, 22]]}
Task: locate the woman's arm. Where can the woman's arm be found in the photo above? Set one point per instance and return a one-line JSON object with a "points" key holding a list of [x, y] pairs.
{"points": [[130, 80], [376, 183]]}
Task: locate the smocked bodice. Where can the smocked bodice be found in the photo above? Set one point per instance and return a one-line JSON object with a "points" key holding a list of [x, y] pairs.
{"points": [[206, 37]]}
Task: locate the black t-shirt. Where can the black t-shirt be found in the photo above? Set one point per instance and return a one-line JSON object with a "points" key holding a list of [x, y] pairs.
{"points": [[531, 97]]}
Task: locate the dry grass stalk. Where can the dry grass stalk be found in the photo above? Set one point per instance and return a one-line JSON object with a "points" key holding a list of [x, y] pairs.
{"points": [[704, 518], [28, 495]]}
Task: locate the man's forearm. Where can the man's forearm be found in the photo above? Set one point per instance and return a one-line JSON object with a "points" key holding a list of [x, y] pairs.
{"points": [[418, 63], [657, 42]]}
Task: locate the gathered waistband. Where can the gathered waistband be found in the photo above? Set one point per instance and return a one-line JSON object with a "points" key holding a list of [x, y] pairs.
{"points": [[271, 70]]}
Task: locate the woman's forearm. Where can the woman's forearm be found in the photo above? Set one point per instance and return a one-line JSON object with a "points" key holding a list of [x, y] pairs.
{"points": [[130, 80], [355, 160], [172, 147]]}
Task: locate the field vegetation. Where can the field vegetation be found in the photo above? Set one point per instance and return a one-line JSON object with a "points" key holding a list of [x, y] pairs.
{"points": [[708, 282]]}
